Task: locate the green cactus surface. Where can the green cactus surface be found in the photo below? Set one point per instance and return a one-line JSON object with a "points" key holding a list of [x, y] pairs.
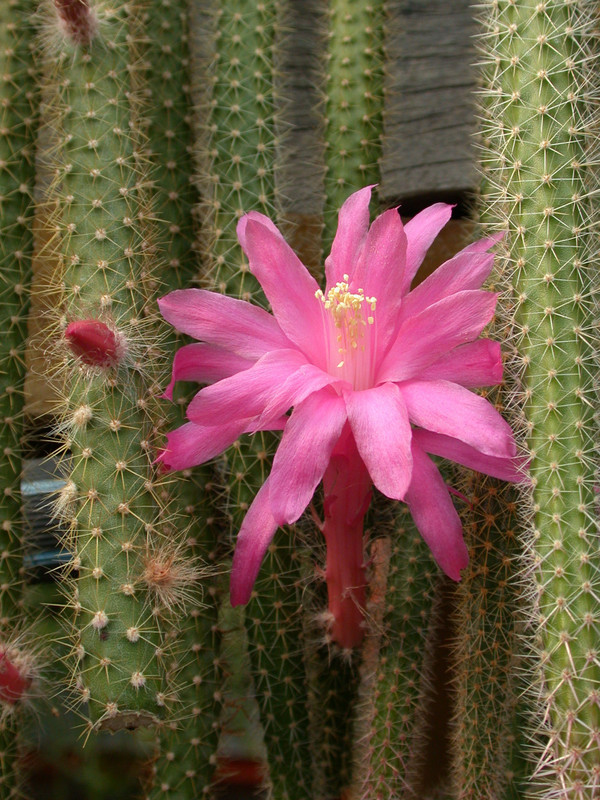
{"points": [[111, 500], [18, 116], [487, 656], [275, 629], [539, 72], [237, 138], [389, 735], [237, 146], [185, 761], [17, 152], [353, 102]]}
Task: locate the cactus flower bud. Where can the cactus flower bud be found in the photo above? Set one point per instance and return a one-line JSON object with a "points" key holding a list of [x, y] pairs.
{"points": [[78, 20], [94, 343], [13, 682]]}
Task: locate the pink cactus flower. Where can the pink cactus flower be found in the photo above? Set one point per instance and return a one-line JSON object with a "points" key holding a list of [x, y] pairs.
{"points": [[378, 377]]}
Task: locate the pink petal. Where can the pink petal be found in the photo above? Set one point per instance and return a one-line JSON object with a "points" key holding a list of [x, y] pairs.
{"points": [[235, 325], [289, 287], [483, 245], [256, 216], [423, 339], [190, 445], [435, 516], [353, 224], [477, 363], [244, 394], [380, 271], [420, 231], [204, 363], [256, 533], [444, 407], [379, 421], [506, 469], [299, 385], [272, 424], [464, 271], [303, 454]]}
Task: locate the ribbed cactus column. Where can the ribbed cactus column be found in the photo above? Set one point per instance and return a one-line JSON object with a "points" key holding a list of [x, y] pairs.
{"points": [[17, 132], [353, 94], [233, 47], [237, 133], [111, 500], [354, 102], [539, 72], [390, 728], [186, 758], [275, 631], [487, 662], [187, 747]]}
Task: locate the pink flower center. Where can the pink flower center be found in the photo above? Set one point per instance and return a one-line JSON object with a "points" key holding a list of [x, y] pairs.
{"points": [[349, 324]]}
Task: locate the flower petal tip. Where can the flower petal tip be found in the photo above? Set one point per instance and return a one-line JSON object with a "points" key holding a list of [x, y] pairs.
{"points": [[454, 571]]}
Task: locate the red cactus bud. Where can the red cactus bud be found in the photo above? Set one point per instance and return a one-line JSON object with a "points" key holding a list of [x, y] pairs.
{"points": [[79, 21], [240, 772], [94, 343], [13, 683]]}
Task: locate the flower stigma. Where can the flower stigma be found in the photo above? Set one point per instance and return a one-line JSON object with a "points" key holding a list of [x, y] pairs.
{"points": [[348, 314]]}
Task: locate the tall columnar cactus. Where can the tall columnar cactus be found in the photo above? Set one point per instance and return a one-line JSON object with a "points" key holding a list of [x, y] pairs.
{"points": [[487, 655], [186, 747], [17, 131], [539, 74], [396, 670], [233, 56], [353, 105], [100, 235], [275, 630], [18, 113], [186, 758], [237, 133], [354, 102]]}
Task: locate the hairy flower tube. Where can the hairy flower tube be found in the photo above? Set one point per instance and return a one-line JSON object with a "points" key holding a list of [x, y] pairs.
{"points": [[377, 376]]}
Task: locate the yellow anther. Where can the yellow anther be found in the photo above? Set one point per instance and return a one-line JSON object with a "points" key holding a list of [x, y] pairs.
{"points": [[346, 308]]}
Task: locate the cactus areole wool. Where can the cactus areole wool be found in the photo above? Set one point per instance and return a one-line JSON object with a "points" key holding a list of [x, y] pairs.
{"points": [[377, 377]]}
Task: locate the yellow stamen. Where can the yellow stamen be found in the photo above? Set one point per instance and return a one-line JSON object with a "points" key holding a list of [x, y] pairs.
{"points": [[346, 308]]}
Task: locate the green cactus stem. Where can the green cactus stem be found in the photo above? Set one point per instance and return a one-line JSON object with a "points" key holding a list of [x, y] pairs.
{"points": [[353, 102], [18, 118], [487, 654], [187, 746], [539, 73], [234, 53], [389, 735], [111, 501], [237, 138], [17, 135], [275, 630]]}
